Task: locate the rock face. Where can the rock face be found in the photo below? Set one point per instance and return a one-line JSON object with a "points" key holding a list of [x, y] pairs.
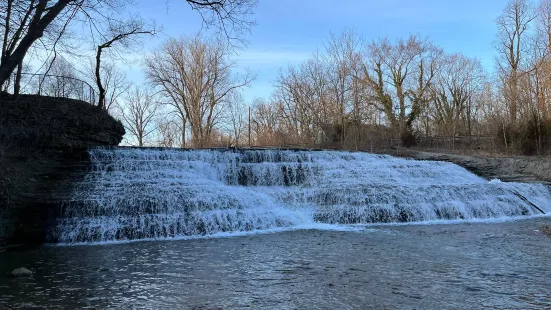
{"points": [[21, 272], [43, 149], [529, 169], [51, 122]]}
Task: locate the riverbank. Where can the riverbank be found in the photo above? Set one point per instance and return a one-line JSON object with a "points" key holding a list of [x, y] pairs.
{"points": [[528, 169]]}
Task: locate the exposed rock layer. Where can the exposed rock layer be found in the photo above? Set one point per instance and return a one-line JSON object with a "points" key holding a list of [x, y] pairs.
{"points": [[529, 169], [43, 143]]}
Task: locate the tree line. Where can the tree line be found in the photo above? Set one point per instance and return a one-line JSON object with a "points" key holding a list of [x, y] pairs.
{"points": [[352, 93], [356, 91]]}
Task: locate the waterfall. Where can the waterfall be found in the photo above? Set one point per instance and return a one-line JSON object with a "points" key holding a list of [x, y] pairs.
{"points": [[133, 194]]}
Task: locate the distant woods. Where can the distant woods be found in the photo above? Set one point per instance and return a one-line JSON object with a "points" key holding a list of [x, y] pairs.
{"points": [[353, 93], [363, 94]]}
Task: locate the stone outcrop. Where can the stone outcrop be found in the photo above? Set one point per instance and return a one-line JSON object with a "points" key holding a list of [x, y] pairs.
{"points": [[51, 122], [529, 169], [43, 149], [21, 272]]}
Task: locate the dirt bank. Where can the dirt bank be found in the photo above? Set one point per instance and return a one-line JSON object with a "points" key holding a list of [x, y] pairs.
{"points": [[530, 169]]}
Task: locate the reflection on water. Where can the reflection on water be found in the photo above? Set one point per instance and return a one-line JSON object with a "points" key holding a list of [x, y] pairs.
{"points": [[460, 266]]}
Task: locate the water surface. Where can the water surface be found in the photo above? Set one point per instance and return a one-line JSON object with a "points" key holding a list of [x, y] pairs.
{"points": [[456, 266]]}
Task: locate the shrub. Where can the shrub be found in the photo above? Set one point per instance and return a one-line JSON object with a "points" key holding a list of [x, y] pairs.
{"points": [[408, 138], [529, 137]]}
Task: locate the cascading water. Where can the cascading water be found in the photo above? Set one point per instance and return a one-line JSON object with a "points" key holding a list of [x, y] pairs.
{"points": [[134, 194]]}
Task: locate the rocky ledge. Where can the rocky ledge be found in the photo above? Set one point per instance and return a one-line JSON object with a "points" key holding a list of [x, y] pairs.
{"points": [[43, 143], [529, 169]]}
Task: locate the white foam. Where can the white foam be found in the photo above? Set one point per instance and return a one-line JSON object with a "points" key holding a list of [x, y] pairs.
{"points": [[150, 194], [317, 226]]}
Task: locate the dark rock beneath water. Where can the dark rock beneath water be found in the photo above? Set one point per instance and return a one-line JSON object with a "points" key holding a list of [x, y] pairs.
{"points": [[21, 272], [43, 149]]}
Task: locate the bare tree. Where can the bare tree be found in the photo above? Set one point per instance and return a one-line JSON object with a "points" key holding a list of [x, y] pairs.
{"points": [[196, 75], [114, 83], [36, 16], [14, 17], [454, 88], [265, 125], [61, 80], [323, 100], [295, 102], [544, 23], [237, 117], [123, 34], [541, 58], [399, 75], [342, 61], [318, 100], [168, 131], [513, 25], [138, 113], [231, 17]]}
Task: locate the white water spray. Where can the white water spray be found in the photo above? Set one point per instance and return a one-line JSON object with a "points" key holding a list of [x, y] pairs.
{"points": [[134, 194]]}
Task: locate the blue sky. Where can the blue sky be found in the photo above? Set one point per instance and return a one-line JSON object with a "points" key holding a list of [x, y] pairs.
{"points": [[289, 31]]}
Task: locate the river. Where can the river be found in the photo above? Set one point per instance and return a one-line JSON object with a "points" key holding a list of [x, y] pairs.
{"points": [[464, 265]]}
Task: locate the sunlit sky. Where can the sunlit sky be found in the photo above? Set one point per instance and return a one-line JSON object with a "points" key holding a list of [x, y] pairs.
{"points": [[289, 31]]}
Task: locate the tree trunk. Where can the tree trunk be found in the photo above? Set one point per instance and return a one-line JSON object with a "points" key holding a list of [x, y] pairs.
{"points": [[17, 84], [469, 123], [183, 142], [514, 97], [7, 24], [34, 32], [101, 100]]}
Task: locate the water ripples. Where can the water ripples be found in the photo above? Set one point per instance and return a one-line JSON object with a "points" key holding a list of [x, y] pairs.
{"points": [[476, 266]]}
